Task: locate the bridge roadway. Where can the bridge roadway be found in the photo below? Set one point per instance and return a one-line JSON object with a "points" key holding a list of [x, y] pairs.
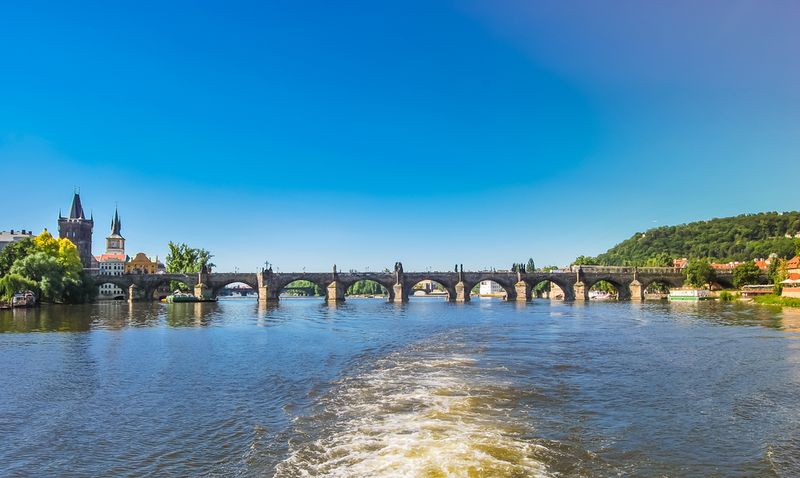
{"points": [[630, 282]]}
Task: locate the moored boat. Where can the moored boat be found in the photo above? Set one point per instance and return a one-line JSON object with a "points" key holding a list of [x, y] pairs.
{"points": [[184, 297], [690, 294], [23, 299]]}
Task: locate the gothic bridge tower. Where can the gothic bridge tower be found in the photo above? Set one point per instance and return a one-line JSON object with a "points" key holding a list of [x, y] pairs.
{"points": [[78, 229]]}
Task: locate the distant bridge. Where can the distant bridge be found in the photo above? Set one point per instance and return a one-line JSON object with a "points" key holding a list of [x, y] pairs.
{"points": [[630, 282]]}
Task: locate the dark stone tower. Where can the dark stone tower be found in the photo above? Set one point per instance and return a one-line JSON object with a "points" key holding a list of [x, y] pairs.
{"points": [[78, 229]]}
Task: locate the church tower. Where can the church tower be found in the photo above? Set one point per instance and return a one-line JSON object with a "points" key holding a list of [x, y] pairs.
{"points": [[78, 229], [115, 243]]}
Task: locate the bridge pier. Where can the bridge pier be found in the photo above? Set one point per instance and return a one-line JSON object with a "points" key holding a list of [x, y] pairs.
{"points": [[400, 294], [462, 292], [523, 291], [202, 292], [267, 294], [133, 293], [336, 291], [581, 292], [636, 290]]}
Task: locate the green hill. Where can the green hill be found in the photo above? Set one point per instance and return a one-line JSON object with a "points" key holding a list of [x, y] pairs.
{"points": [[739, 238]]}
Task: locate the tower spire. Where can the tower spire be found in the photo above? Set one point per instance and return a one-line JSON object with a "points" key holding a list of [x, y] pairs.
{"points": [[116, 224], [76, 211]]}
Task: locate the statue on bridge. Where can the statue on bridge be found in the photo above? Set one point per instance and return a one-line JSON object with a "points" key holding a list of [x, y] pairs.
{"points": [[398, 271]]}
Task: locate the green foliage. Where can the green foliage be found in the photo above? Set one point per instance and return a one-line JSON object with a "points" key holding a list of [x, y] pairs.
{"points": [[12, 252], [84, 291], [49, 266], [183, 259], [13, 283], [303, 284], [657, 288], [740, 238], [51, 279], [543, 286], [586, 261], [366, 287], [777, 300], [178, 285], [604, 286], [726, 296], [746, 274], [530, 266], [661, 259], [699, 273]]}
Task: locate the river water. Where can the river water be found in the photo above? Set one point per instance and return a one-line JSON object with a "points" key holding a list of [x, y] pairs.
{"points": [[428, 389]]}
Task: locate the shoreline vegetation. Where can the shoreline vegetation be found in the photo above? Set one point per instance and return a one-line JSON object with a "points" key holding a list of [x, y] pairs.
{"points": [[777, 300]]}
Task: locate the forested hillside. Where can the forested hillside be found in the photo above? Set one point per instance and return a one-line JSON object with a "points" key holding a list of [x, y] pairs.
{"points": [[739, 238]]}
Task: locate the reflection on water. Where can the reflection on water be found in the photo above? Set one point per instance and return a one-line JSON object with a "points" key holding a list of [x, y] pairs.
{"points": [[428, 388]]}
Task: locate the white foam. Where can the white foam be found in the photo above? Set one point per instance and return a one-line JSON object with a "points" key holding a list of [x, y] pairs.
{"points": [[431, 416]]}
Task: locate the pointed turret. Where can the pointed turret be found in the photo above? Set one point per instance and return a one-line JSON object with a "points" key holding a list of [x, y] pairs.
{"points": [[116, 225], [76, 212]]}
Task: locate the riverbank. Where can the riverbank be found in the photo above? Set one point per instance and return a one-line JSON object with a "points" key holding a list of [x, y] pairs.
{"points": [[777, 300]]}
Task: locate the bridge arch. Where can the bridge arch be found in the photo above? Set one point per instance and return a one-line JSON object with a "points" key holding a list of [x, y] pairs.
{"points": [[671, 282], [366, 286], [322, 288], [435, 284], [506, 285], [563, 290], [622, 288], [218, 286], [160, 288], [656, 289], [108, 289]]}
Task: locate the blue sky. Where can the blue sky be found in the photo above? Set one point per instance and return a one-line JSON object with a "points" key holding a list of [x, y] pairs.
{"points": [[362, 133]]}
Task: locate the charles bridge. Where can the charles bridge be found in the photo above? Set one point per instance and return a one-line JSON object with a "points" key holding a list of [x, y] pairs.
{"points": [[630, 282]]}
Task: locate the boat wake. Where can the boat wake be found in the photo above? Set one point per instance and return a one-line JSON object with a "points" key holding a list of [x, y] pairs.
{"points": [[431, 411]]}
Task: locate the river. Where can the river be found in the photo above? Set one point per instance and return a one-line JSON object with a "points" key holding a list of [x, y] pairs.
{"points": [[428, 388]]}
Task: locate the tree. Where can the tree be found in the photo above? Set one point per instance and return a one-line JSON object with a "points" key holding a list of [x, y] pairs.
{"points": [[14, 251], [774, 269], [745, 274], [51, 278], [778, 273], [49, 266], [661, 259], [585, 261], [530, 266], [183, 259], [366, 287], [699, 273], [13, 283], [740, 238]]}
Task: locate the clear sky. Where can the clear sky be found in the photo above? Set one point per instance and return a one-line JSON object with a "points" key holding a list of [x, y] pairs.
{"points": [[361, 133]]}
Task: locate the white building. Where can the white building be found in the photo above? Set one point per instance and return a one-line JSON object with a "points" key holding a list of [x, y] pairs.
{"points": [[113, 261], [491, 288], [8, 237]]}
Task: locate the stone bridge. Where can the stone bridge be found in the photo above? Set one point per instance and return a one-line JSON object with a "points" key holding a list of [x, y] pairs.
{"points": [[630, 282]]}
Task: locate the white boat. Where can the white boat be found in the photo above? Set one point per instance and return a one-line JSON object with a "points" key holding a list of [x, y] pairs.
{"points": [[690, 294], [23, 299]]}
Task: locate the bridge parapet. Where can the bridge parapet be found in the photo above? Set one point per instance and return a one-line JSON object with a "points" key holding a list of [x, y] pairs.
{"points": [[575, 281]]}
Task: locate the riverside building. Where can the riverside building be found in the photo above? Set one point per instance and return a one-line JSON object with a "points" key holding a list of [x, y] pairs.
{"points": [[112, 262]]}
